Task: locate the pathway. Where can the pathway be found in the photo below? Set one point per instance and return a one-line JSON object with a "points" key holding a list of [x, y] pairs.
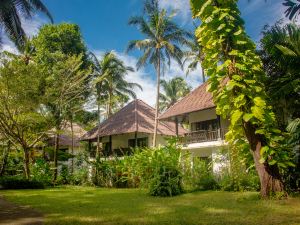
{"points": [[11, 214]]}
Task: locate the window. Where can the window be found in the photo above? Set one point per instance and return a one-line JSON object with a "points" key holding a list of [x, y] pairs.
{"points": [[141, 142], [205, 125]]}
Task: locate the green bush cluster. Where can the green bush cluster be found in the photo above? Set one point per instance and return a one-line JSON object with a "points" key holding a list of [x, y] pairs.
{"points": [[17, 182]]}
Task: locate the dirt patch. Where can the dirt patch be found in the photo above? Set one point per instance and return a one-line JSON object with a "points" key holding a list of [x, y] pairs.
{"points": [[12, 214]]}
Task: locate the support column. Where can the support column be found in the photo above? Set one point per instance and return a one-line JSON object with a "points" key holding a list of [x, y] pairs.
{"points": [[176, 126], [219, 127]]}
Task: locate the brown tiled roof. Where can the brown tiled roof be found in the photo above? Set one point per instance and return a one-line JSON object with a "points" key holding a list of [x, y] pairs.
{"points": [[199, 99], [137, 116]]}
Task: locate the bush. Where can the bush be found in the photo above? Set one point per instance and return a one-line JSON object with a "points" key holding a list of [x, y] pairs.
{"points": [[20, 183], [166, 182], [40, 171]]}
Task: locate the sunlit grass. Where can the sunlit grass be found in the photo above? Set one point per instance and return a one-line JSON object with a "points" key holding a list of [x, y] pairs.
{"points": [[87, 205]]}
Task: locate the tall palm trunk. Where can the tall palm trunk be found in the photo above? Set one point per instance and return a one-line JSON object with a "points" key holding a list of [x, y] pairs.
{"points": [[203, 75], [157, 103], [98, 132]]}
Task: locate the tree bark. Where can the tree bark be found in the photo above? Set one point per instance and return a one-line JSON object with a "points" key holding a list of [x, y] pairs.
{"points": [[72, 146], [56, 148], [269, 176], [157, 103], [4, 160], [26, 162], [98, 133]]}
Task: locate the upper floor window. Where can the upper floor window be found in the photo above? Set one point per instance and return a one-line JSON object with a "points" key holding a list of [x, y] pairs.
{"points": [[205, 125]]}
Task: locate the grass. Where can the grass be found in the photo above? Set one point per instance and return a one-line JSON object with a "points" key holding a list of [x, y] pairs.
{"points": [[87, 205]]}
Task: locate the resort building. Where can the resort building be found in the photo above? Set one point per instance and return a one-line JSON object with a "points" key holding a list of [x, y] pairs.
{"points": [[206, 130], [132, 126]]}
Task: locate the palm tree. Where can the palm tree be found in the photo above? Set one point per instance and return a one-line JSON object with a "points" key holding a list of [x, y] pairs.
{"points": [[110, 84], [194, 56], [161, 43], [293, 8], [174, 90], [11, 12]]}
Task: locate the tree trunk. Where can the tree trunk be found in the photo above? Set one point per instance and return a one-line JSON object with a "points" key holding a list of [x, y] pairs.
{"points": [[269, 176], [157, 103], [56, 148], [98, 133], [203, 75], [72, 146], [5, 158], [26, 163]]}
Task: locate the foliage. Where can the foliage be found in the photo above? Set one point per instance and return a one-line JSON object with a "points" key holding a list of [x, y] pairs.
{"points": [[293, 8], [11, 15], [163, 38], [236, 81], [15, 182], [280, 53], [110, 85], [22, 119], [41, 171], [64, 38], [198, 175], [173, 90], [281, 57]]}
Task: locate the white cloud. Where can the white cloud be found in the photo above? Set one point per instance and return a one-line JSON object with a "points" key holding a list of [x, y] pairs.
{"points": [[148, 80], [182, 8], [31, 28]]}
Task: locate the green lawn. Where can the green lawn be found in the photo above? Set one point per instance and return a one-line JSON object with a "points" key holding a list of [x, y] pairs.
{"points": [[87, 205]]}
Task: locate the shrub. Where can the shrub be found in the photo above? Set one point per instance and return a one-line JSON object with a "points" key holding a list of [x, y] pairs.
{"points": [[40, 171], [16, 182]]}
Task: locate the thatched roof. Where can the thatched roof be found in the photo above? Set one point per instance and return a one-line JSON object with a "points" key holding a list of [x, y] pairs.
{"points": [[65, 137], [199, 99], [137, 116]]}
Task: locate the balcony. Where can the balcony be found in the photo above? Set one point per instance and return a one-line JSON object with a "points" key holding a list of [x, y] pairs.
{"points": [[200, 136]]}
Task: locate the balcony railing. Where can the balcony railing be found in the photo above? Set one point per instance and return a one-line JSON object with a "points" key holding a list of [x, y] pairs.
{"points": [[204, 136]]}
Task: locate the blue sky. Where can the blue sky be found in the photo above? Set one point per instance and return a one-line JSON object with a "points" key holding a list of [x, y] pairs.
{"points": [[104, 27]]}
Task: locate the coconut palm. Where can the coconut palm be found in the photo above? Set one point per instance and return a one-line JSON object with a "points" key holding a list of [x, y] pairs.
{"points": [[11, 14], [194, 57], [163, 41], [293, 8], [110, 83], [174, 90]]}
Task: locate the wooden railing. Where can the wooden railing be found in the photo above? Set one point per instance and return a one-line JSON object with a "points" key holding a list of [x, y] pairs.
{"points": [[204, 136]]}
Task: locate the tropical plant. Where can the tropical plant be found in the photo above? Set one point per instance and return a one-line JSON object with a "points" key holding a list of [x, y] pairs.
{"points": [[110, 85], [293, 8], [63, 87], [22, 121], [173, 90], [11, 15], [194, 57], [235, 79], [280, 53], [162, 43]]}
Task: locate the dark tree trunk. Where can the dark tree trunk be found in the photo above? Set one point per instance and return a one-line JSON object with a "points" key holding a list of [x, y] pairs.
{"points": [[26, 162], [5, 158], [56, 148], [72, 147], [269, 176]]}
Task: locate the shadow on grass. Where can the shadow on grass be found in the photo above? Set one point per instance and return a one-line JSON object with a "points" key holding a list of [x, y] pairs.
{"points": [[128, 206]]}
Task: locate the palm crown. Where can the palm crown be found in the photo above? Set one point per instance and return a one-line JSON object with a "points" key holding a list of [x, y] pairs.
{"points": [[163, 42], [11, 12]]}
